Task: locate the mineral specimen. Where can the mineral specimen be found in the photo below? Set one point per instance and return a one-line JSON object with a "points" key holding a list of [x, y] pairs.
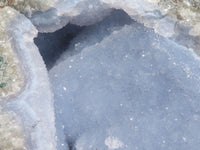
{"points": [[27, 114], [123, 73], [164, 16], [132, 90], [11, 77]]}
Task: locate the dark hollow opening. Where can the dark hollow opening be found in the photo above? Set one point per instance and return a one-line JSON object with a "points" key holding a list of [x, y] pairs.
{"points": [[52, 45]]}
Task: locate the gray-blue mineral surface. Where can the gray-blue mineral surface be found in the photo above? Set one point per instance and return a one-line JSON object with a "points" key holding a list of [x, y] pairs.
{"points": [[99, 75]]}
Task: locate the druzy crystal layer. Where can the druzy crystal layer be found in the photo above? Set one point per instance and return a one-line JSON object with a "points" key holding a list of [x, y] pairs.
{"points": [[99, 74]]}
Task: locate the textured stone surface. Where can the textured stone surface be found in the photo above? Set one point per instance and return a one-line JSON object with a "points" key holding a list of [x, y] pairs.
{"points": [[150, 12], [166, 17], [118, 85], [11, 77], [132, 90], [29, 112]]}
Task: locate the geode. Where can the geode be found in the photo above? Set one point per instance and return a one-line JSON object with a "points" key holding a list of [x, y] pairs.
{"points": [[127, 77]]}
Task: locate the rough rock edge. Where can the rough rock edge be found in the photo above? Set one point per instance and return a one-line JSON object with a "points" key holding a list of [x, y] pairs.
{"points": [[34, 106]]}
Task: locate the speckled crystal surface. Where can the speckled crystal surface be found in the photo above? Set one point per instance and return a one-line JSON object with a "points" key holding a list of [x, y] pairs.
{"points": [[99, 74], [128, 95]]}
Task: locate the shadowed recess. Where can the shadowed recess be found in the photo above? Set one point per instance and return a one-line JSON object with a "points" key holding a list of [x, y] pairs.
{"points": [[52, 45]]}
